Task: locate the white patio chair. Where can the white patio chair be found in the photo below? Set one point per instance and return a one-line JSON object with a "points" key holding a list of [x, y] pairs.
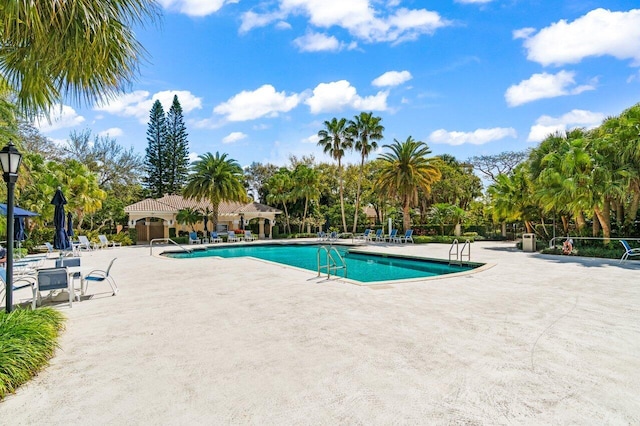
{"points": [[105, 242]]}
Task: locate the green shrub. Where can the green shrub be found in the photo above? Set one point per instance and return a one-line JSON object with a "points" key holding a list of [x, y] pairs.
{"points": [[28, 340], [122, 238], [442, 239]]}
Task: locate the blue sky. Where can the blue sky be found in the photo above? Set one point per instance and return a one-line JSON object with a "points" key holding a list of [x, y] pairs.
{"points": [[469, 77]]}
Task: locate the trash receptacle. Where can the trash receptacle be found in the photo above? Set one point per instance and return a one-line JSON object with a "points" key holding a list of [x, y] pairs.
{"points": [[529, 242]]}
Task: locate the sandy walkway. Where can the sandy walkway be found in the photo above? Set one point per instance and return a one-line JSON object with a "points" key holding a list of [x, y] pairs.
{"points": [[533, 340]]}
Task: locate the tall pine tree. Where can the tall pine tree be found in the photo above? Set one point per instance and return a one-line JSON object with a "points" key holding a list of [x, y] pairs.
{"points": [[156, 152], [177, 148]]}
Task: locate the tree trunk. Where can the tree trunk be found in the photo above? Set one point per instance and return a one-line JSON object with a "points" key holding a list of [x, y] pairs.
{"points": [[355, 215], [406, 218], [580, 221], [635, 203], [604, 217], [458, 229], [595, 228], [565, 224], [504, 229], [286, 217], [304, 215], [344, 219], [528, 227], [214, 215]]}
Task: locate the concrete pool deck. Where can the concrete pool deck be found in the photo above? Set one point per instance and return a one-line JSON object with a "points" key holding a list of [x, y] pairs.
{"points": [[534, 339]]}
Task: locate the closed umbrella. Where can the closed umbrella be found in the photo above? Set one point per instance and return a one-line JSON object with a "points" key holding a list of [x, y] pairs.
{"points": [[18, 229], [69, 225], [60, 238], [205, 219]]}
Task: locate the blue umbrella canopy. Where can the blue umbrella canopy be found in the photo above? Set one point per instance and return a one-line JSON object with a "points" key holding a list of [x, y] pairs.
{"points": [[17, 211], [60, 238]]}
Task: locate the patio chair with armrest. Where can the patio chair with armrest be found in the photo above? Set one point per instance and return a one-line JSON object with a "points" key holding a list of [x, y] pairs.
{"points": [[628, 251], [232, 237], [19, 282], [193, 238], [54, 279], [364, 236], [71, 262], [392, 236], [248, 236], [215, 238], [378, 236], [408, 236], [99, 276]]}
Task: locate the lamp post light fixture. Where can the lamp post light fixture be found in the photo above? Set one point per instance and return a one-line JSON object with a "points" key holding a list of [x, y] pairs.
{"points": [[10, 158]]}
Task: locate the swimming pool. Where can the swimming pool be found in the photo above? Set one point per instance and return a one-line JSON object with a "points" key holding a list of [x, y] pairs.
{"points": [[361, 266]]}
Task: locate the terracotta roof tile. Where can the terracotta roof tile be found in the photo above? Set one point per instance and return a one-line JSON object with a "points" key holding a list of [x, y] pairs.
{"points": [[171, 203]]}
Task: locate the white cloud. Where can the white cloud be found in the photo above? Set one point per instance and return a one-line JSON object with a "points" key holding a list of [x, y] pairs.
{"points": [[541, 86], [195, 7], [234, 137], [392, 78], [547, 125], [598, 33], [112, 132], [283, 25], [313, 139], [262, 102], [358, 17], [337, 95], [193, 156], [317, 42], [477, 137], [59, 118], [138, 104]]}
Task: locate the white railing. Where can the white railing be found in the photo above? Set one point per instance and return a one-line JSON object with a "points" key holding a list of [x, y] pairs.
{"points": [[169, 240]]}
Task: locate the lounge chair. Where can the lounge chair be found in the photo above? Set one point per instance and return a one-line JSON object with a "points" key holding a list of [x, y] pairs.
{"points": [[54, 279], [215, 238], [19, 282], [50, 250], [248, 236], [104, 242], [392, 236], [333, 236], [321, 236], [628, 251], [406, 237], [99, 275], [378, 236], [85, 244], [232, 237], [193, 238], [364, 236]]}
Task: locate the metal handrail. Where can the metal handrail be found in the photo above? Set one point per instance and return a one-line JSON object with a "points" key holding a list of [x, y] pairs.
{"points": [[552, 241], [167, 240], [331, 262], [454, 244], [467, 245]]}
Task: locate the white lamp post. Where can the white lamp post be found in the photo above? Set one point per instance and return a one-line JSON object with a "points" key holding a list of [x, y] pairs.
{"points": [[10, 158]]}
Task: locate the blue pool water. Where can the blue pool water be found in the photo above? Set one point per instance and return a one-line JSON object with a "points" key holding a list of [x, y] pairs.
{"points": [[360, 267]]}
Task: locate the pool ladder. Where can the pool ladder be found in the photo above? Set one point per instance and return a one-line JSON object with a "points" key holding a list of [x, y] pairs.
{"points": [[459, 254], [333, 259]]}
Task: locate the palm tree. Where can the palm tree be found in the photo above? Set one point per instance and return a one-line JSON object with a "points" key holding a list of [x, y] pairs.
{"points": [[306, 186], [366, 131], [189, 216], [215, 178], [406, 169], [280, 187], [83, 49], [335, 139]]}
